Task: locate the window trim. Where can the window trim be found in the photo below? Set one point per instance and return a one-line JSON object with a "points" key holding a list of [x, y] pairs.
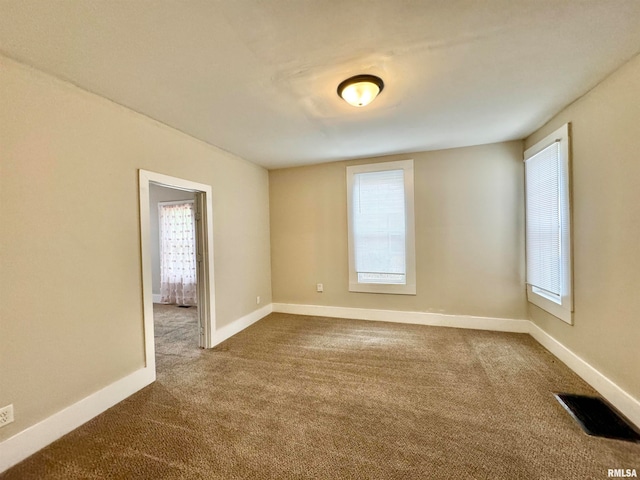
{"points": [[561, 307], [410, 249]]}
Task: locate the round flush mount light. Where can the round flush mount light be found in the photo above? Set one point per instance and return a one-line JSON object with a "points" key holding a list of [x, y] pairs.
{"points": [[360, 90]]}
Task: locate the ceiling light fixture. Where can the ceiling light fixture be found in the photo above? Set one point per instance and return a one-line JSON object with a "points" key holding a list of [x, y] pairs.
{"points": [[360, 90]]}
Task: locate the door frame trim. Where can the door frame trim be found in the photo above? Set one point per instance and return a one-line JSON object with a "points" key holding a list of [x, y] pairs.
{"points": [[206, 302]]}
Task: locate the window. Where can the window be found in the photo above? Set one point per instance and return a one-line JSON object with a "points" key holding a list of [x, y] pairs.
{"points": [[178, 277], [548, 225], [381, 228]]}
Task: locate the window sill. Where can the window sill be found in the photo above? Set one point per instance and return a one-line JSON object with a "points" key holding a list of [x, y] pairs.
{"points": [[550, 306], [382, 288]]}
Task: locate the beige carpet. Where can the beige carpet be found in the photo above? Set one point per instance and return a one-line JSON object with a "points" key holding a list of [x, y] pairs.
{"points": [[297, 397]]}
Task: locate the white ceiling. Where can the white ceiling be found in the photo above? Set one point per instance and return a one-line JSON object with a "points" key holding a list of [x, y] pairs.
{"points": [[258, 78]]}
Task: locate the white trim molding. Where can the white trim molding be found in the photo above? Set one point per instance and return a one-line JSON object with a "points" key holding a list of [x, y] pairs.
{"points": [[408, 285], [240, 324], [418, 318], [560, 303], [616, 396], [27, 442], [34, 438]]}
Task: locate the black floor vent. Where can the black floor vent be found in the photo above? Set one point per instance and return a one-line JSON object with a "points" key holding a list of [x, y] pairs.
{"points": [[597, 418]]}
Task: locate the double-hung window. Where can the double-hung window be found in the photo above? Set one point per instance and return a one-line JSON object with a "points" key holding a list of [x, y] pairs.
{"points": [[548, 224], [381, 228]]}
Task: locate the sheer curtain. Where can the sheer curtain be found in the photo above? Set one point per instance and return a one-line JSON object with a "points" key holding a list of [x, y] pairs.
{"points": [[177, 253]]}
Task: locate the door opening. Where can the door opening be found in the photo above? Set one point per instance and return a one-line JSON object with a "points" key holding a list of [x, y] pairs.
{"points": [[191, 255]]}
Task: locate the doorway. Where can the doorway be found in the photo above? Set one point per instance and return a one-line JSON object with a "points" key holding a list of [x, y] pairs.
{"points": [[155, 186]]}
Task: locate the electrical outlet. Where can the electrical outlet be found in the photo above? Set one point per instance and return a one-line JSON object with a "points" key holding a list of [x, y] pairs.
{"points": [[257, 300], [6, 415], [319, 288]]}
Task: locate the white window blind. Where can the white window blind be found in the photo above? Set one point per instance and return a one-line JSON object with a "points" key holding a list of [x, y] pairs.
{"points": [[548, 224], [543, 230], [379, 229]]}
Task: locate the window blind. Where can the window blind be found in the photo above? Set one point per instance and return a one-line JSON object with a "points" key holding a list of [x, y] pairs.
{"points": [[544, 209], [379, 228]]}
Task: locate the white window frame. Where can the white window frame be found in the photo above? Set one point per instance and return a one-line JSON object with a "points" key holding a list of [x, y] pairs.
{"points": [[560, 306], [409, 288]]}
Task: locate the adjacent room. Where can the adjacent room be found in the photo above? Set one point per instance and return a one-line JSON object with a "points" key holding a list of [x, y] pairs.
{"points": [[319, 239]]}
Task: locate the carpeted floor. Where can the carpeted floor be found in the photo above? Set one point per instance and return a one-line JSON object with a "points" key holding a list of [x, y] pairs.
{"points": [[295, 397]]}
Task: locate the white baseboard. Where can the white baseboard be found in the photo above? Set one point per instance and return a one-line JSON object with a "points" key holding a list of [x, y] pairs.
{"points": [[157, 298], [29, 441], [15, 449], [22, 445], [419, 318], [616, 396], [221, 334]]}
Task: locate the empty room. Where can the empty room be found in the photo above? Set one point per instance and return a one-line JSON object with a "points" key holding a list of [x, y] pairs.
{"points": [[290, 239]]}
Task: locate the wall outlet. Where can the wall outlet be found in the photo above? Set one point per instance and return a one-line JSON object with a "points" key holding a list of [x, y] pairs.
{"points": [[319, 288], [257, 300], [6, 415]]}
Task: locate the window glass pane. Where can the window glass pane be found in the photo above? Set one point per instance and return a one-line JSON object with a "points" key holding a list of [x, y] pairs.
{"points": [[379, 227], [543, 229]]}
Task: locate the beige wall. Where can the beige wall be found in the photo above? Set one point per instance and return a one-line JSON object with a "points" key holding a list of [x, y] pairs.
{"points": [[469, 234], [70, 292], [606, 228]]}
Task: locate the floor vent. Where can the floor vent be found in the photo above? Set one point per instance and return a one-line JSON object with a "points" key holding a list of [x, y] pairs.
{"points": [[597, 418]]}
